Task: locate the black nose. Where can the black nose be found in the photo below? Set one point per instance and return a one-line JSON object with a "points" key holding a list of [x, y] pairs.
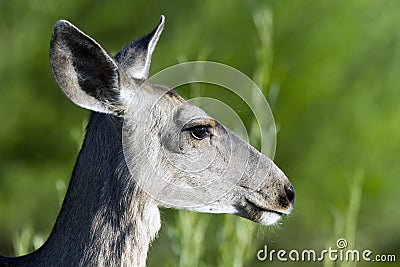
{"points": [[289, 190]]}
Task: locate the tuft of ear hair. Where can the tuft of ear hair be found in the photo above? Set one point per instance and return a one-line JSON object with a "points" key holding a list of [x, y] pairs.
{"points": [[88, 75]]}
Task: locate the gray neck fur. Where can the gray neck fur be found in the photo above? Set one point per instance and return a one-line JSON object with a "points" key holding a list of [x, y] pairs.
{"points": [[101, 223]]}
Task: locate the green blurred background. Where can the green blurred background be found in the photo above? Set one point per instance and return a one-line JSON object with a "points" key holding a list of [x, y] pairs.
{"points": [[330, 70]]}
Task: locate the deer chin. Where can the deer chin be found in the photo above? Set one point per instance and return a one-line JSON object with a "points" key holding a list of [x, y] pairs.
{"points": [[269, 218], [254, 212]]}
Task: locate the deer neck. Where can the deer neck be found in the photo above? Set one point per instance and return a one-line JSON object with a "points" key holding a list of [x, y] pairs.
{"points": [[105, 220]]}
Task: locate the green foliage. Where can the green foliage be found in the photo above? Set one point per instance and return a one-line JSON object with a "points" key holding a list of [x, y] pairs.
{"points": [[26, 240], [330, 70], [345, 226], [188, 239]]}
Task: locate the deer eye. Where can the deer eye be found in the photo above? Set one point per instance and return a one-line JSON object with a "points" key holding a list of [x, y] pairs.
{"points": [[199, 132]]}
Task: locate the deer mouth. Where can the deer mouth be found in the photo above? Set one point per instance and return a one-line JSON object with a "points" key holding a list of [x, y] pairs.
{"points": [[254, 212]]}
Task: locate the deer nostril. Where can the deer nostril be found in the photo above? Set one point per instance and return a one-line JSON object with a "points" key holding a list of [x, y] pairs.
{"points": [[289, 190]]}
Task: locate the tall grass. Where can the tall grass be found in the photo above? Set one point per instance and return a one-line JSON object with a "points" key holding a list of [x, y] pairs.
{"points": [[345, 223], [27, 240]]}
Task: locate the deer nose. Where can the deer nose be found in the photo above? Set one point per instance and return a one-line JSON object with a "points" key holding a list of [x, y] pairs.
{"points": [[289, 190]]}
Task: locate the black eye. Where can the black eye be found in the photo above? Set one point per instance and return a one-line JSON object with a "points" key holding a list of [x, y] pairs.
{"points": [[199, 132]]}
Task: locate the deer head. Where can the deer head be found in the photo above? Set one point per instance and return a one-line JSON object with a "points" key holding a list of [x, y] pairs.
{"points": [[175, 152]]}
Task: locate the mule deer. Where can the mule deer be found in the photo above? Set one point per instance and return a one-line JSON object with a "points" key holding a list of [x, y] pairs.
{"points": [[107, 218]]}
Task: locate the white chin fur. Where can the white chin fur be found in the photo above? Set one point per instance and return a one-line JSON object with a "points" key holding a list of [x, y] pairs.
{"points": [[269, 218]]}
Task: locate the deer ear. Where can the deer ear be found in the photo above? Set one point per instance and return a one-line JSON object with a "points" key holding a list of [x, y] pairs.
{"points": [[135, 58], [84, 71]]}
